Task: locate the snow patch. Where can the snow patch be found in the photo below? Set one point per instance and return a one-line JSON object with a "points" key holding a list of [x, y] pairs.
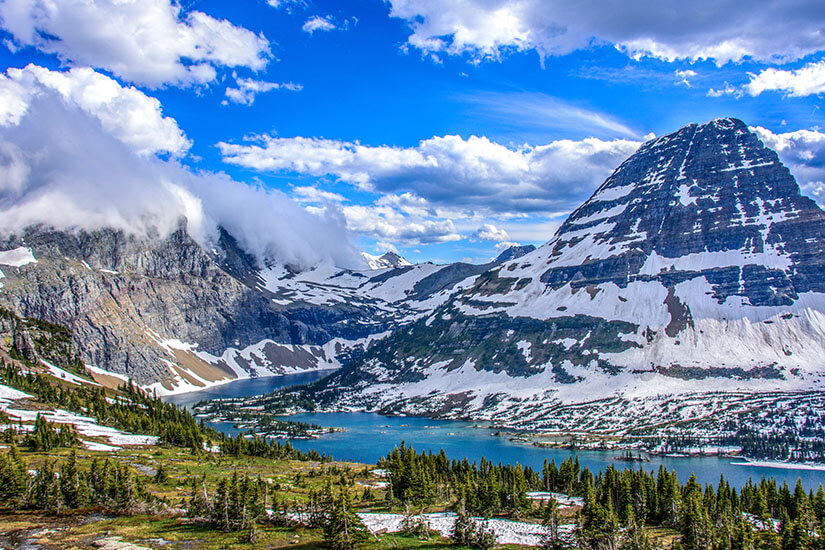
{"points": [[17, 257]]}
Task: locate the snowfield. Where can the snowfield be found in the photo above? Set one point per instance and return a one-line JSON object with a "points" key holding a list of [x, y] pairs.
{"points": [[17, 257], [83, 424], [507, 532]]}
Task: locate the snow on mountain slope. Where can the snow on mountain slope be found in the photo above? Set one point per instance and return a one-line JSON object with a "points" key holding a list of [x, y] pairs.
{"points": [[393, 293], [696, 265], [175, 317], [388, 259]]}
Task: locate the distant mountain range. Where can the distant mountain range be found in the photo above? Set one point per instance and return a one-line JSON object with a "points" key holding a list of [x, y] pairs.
{"points": [[696, 267]]}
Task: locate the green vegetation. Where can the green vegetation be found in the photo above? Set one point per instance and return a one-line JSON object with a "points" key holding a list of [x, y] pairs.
{"points": [[199, 488], [618, 504]]}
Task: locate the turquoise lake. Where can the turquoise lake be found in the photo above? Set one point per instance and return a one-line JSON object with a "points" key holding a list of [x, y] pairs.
{"points": [[369, 436]]}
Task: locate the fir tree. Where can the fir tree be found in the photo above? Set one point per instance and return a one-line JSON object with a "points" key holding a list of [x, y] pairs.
{"points": [[344, 529]]}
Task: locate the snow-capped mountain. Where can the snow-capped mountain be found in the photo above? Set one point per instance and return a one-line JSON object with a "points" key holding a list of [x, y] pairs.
{"points": [[175, 317], [514, 252], [388, 259], [696, 267]]}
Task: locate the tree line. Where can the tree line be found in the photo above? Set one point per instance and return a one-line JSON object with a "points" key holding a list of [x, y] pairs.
{"points": [[619, 505]]}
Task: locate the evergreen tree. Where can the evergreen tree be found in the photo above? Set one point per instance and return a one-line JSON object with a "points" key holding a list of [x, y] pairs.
{"points": [[344, 529], [13, 479], [71, 488], [551, 520]]}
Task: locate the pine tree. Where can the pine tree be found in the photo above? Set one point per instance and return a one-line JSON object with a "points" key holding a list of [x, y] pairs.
{"points": [[550, 520], [464, 530], [694, 523], [13, 478], [344, 529], [70, 483]]}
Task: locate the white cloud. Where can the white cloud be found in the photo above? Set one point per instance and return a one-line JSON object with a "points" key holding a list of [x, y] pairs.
{"points": [[314, 195], [809, 80], [123, 111], [683, 76], [727, 90], [150, 42], [489, 232], [724, 31], [543, 112], [248, 88], [803, 152], [318, 23], [14, 101], [288, 4], [504, 245], [473, 174], [387, 224], [61, 167]]}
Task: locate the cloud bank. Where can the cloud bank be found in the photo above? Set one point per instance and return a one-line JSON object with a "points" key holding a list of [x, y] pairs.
{"points": [[473, 174], [149, 42], [62, 165], [722, 30]]}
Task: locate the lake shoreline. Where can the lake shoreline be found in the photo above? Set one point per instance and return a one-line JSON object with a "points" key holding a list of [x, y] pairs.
{"points": [[367, 436]]}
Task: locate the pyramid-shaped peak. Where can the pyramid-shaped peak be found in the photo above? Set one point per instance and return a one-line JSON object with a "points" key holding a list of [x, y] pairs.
{"points": [[388, 259], [708, 197]]}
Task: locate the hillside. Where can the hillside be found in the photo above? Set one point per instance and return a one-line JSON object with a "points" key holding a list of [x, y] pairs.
{"points": [[70, 477]]}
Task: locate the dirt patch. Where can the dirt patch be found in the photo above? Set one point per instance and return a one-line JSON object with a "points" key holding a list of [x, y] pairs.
{"points": [[201, 368]]}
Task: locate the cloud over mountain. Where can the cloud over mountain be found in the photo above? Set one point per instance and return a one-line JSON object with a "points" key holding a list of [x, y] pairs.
{"points": [[67, 163], [474, 174]]}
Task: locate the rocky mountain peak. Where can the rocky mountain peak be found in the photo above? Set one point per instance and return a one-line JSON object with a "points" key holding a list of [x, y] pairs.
{"points": [[513, 252], [388, 259], [707, 199], [694, 267]]}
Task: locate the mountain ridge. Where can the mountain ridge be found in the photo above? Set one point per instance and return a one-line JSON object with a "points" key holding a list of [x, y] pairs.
{"points": [[697, 259]]}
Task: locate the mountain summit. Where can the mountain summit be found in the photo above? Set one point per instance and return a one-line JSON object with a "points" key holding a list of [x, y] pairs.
{"points": [[697, 259], [388, 259]]}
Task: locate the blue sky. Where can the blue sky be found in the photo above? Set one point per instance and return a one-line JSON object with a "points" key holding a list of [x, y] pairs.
{"points": [[444, 130]]}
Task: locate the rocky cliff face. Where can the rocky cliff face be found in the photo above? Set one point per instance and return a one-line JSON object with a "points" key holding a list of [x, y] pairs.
{"points": [[693, 267], [124, 297], [174, 316]]}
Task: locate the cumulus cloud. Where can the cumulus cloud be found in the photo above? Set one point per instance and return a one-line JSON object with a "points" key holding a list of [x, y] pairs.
{"points": [[489, 232], [61, 167], [504, 245], [388, 224], [150, 42], [248, 88], [803, 152], [123, 111], [723, 30], [473, 174], [808, 80], [311, 194], [318, 23]]}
